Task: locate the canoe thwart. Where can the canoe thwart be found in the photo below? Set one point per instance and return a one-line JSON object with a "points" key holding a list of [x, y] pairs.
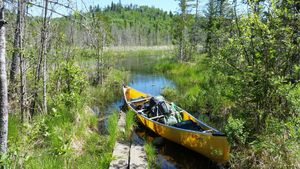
{"points": [[156, 117]]}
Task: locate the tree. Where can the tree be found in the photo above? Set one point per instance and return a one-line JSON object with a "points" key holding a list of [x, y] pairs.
{"points": [[44, 36], [3, 85], [16, 51], [183, 23], [210, 28], [20, 36], [42, 63]]}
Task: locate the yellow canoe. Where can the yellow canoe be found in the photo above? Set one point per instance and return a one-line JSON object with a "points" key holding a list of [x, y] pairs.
{"points": [[210, 142]]}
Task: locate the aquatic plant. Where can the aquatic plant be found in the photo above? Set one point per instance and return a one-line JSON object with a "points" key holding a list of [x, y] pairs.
{"points": [[151, 155], [130, 122]]}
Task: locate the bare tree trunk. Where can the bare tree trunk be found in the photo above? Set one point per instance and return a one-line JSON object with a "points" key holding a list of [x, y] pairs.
{"points": [[16, 52], [23, 93], [98, 66], [183, 31], [44, 55], [195, 28], [3, 85], [15, 55], [42, 63], [181, 50], [102, 55]]}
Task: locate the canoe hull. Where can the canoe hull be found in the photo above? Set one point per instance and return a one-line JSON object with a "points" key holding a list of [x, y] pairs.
{"points": [[213, 147]]}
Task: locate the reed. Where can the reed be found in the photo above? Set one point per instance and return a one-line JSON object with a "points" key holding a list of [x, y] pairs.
{"points": [[151, 156], [130, 122]]}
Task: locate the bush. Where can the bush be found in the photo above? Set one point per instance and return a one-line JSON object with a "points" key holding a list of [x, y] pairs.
{"points": [[68, 85], [235, 131]]}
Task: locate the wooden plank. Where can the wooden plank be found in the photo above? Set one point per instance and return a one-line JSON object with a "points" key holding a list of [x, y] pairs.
{"points": [[128, 156], [121, 149], [120, 156], [138, 157]]}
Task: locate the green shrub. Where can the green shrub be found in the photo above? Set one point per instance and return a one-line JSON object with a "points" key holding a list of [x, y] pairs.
{"points": [[68, 84], [235, 131]]}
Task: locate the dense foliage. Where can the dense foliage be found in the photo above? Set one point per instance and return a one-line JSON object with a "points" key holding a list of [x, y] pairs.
{"points": [[248, 80]]}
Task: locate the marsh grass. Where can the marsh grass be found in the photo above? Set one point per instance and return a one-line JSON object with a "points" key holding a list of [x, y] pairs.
{"points": [[142, 60], [199, 89], [151, 156], [129, 124], [112, 129], [111, 89]]}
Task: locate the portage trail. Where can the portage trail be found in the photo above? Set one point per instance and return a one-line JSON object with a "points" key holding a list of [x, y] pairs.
{"points": [[128, 154]]}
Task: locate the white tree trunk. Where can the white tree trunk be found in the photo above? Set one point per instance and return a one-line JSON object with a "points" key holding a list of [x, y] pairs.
{"points": [[3, 85], [44, 55]]}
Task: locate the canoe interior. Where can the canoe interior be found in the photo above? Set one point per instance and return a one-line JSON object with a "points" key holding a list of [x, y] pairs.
{"points": [[210, 143]]}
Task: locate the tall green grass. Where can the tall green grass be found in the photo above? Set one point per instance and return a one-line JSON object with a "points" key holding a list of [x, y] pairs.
{"points": [[129, 123], [112, 129], [111, 89], [151, 156], [66, 137], [199, 89]]}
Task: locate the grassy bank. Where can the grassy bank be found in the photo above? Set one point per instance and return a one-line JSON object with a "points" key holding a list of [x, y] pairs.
{"points": [[61, 140], [199, 89], [68, 136]]}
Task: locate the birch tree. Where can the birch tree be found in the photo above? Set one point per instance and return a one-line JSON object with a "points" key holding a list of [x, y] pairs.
{"points": [[44, 55], [3, 85]]}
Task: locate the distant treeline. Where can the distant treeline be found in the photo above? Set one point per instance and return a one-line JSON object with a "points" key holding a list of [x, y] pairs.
{"points": [[133, 25]]}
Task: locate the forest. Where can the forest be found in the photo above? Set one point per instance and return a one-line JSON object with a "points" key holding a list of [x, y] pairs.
{"points": [[235, 65]]}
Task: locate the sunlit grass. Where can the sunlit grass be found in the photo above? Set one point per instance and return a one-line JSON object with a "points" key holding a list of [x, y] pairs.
{"points": [[151, 156], [130, 122]]}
